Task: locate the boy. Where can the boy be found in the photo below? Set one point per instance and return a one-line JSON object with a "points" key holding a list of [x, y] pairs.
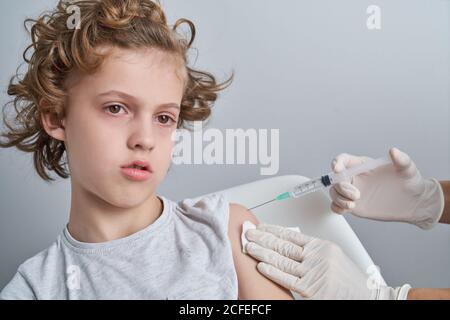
{"points": [[108, 95]]}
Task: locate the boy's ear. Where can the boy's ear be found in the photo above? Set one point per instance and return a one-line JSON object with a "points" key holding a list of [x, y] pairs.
{"points": [[54, 127]]}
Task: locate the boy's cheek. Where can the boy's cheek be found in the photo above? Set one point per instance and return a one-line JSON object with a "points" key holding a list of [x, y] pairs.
{"points": [[165, 158]]}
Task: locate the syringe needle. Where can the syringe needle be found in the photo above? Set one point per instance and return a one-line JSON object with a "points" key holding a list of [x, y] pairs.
{"points": [[259, 205]]}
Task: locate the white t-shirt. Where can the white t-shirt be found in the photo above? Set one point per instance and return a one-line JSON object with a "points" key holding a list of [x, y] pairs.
{"points": [[184, 254]]}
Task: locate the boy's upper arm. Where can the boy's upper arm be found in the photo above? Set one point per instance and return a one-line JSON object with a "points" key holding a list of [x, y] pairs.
{"points": [[252, 284]]}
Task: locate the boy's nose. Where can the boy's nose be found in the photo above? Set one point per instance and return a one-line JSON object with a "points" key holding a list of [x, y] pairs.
{"points": [[142, 136]]}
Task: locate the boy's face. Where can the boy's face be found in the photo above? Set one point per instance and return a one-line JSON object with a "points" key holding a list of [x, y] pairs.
{"points": [[125, 111]]}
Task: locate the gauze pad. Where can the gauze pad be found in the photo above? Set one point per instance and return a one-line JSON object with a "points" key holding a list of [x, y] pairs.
{"points": [[247, 225]]}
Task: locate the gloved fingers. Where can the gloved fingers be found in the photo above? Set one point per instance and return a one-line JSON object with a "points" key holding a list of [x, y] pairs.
{"points": [[284, 279], [347, 190], [270, 241], [312, 285], [265, 255], [345, 160], [341, 201], [293, 236], [275, 259], [403, 163], [335, 208]]}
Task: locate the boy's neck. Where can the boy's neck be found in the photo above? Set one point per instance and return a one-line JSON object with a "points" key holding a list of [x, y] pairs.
{"points": [[92, 221]]}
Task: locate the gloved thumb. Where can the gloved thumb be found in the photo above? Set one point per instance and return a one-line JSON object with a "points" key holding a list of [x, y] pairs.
{"points": [[402, 162]]}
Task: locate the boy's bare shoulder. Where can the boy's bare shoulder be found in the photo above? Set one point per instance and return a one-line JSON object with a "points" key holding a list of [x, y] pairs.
{"points": [[239, 214], [252, 284]]}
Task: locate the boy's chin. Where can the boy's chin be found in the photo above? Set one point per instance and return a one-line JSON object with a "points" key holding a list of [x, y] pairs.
{"points": [[128, 200]]}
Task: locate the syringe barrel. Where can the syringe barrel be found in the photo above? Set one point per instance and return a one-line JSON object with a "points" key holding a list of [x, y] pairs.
{"points": [[364, 167], [307, 187]]}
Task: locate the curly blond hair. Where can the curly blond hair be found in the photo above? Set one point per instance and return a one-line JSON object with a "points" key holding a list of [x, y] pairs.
{"points": [[56, 50]]}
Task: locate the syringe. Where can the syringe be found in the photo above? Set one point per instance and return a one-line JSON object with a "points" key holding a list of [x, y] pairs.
{"points": [[327, 180]]}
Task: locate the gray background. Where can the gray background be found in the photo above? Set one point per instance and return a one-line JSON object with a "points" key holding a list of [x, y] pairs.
{"points": [[311, 69]]}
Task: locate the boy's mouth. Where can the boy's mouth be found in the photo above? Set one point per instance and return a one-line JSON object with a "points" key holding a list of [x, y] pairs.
{"points": [[138, 164]]}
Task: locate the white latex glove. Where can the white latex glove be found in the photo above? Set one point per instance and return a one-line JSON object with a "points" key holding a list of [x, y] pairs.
{"points": [[391, 193], [314, 268]]}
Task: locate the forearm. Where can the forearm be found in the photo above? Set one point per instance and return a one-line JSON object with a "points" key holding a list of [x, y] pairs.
{"points": [[446, 214], [428, 294]]}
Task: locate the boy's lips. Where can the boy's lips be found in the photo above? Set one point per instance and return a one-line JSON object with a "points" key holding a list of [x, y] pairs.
{"points": [[140, 173], [141, 163]]}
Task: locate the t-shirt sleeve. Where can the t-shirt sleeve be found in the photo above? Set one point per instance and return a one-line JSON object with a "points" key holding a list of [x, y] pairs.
{"points": [[17, 289], [212, 210]]}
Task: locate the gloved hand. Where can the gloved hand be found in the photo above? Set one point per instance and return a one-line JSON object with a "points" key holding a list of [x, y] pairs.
{"points": [[314, 268], [391, 193]]}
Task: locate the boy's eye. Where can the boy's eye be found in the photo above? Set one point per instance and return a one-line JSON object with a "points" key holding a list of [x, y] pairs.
{"points": [[114, 108], [165, 119], [162, 119]]}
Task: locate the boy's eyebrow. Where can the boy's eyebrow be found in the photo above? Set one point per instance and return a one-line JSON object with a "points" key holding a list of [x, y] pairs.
{"points": [[124, 95]]}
